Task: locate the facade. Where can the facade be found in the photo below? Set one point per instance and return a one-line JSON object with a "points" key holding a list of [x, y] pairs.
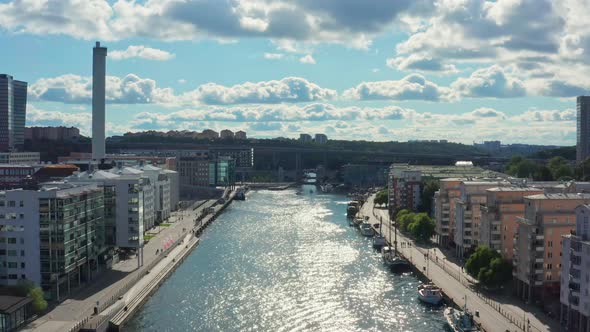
{"points": [[128, 193], [405, 189], [21, 158], [575, 274], [499, 217], [99, 55], [13, 108], [222, 172], [243, 156], [240, 135], [208, 134], [365, 175], [49, 236], [52, 133], [305, 138], [537, 245], [444, 210], [468, 214], [583, 128], [12, 175], [161, 183], [194, 171], [321, 139], [226, 134]]}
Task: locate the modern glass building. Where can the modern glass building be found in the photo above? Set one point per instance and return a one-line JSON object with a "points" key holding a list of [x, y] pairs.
{"points": [[13, 105], [68, 221], [222, 172]]}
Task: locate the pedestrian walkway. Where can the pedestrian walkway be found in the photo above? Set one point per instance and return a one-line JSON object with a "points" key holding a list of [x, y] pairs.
{"points": [[456, 284]]}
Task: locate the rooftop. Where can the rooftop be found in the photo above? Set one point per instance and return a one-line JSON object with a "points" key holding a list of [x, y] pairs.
{"points": [[559, 196], [518, 189], [9, 304]]}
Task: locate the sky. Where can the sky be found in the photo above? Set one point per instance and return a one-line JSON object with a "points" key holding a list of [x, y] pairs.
{"points": [[461, 70]]}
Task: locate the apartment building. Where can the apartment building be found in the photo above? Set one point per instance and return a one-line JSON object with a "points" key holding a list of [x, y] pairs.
{"points": [[444, 210], [226, 134], [499, 217], [49, 236], [575, 274], [538, 243], [20, 158], [405, 189], [468, 214], [161, 183]]}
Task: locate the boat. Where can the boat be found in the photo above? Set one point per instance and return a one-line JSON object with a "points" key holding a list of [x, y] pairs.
{"points": [[430, 294], [327, 188], [357, 222], [352, 209], [379, 240], [460, 320], [240, 195], [391, 257], [366, 229]]}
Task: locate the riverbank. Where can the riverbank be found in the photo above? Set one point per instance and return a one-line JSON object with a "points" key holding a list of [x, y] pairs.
{"points": [[80, 309], [495, 315]]}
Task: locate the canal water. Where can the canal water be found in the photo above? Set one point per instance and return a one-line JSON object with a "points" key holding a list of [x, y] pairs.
{"points": [[285, 262]]}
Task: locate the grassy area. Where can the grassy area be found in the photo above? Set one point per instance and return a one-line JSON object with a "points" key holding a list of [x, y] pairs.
{"points": [[165, 225], [148, 237]]}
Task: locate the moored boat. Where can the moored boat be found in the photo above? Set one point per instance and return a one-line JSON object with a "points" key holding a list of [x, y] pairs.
{"points": [[460, 320], [366, 229], [429, 293], [379, 241]]}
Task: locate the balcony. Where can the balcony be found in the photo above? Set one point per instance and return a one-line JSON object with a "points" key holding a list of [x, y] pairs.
{"points": [[540, 237]]}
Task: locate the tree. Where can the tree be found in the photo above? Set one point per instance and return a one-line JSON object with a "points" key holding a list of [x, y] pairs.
{"points": [[543, 174], [560, 168], [430, 187], [481, 258], [422, 227], [404, 221], [382, 197], [29, 289], [583, 170]]}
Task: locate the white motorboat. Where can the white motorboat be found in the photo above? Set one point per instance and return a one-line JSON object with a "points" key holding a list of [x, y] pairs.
{"points": [[366, 229], [460, 320], [429, 293]]}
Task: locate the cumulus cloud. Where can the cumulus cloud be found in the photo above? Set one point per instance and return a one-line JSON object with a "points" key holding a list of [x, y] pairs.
{"points": [[80, 120], [307, 59], [133, 89], [286, 90], [422, 63], [411, 87], [76, 89], [343, 21], [490, 82], [140, 51]]}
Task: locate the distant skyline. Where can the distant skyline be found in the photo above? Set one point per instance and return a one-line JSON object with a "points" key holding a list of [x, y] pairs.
{"points": [[460, 70]]}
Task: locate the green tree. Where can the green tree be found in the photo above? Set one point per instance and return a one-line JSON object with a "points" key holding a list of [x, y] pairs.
{"points": [[29, 289], [404, 221], [560, 168], [543, 174], [480, 259], [427, 197], [382, 197], [422, 227]]}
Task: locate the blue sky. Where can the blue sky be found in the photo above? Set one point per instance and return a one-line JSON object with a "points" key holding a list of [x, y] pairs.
{"points": [[462, 70]]}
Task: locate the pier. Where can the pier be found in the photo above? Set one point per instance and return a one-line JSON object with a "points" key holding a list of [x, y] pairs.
{"points": [[458, 286]]}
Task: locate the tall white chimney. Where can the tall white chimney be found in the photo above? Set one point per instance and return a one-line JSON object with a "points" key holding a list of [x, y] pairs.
{"points": [[99, 55]]}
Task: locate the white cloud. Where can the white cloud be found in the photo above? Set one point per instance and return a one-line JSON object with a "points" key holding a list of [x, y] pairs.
{"points": [[182, 81], [421, 63], [274, 56], [140, 51], [80, 120], [76, 89], [491, 82], [133, 89], [411, 87], [307, 59]]}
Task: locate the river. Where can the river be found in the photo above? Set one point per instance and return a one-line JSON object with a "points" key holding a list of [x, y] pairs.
{"points": [[285, 262]]}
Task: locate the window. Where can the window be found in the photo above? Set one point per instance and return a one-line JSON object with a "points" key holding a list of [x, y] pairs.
{"points": [[21, 204], [550, 244], [12, 265], [549, 255], [22, 276], [21, 216], [22, 253], [12, 253], [12, 276], [11, 204], [11, 240], [549, 266], [22, 240], [22, 265]]}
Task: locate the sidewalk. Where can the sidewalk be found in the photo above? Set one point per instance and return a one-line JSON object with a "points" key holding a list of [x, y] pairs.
{"points": [[494, 315], [81, 304]]}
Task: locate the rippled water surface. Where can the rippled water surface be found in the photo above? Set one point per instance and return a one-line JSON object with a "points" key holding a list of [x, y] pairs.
{"points": [[285, 262]]}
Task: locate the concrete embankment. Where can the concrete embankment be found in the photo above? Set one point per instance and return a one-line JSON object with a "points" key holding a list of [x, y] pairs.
{"points": [[113, 317]]}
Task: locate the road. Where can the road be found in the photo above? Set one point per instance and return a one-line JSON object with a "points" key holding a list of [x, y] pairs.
{"points": [[456, 284], [81, 303]]}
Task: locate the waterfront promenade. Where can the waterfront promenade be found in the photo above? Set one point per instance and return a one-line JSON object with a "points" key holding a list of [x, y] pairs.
{"points": [[495, 314], [81, 303]]}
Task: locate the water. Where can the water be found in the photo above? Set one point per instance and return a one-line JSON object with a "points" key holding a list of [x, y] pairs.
{"points": [[285, 262]]}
